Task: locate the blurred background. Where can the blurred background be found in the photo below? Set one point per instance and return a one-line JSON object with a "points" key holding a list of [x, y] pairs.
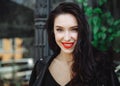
{"points": [[16, 41], [23, 38]]}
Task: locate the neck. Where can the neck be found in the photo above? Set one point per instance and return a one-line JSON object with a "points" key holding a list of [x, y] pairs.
{"points": [[65, 57]]}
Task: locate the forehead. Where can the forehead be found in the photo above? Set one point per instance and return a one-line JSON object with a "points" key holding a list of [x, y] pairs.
{"points": [[65, 20]]}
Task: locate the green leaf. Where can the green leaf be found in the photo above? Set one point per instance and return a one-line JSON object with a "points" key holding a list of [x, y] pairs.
{"points": [[95, 30], [118, 33], [80, 1], [117, 22], [89, 11], [96, 21], [104, 36], [103, 29], [101, 2], [85, 4], [110, 30], [97, 10], [110, 38]]}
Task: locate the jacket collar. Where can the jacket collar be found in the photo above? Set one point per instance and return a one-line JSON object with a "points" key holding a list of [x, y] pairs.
{"points": [[45, 62]]}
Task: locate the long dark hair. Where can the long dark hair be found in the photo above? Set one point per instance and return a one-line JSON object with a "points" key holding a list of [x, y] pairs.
{"points": [[83, 65]]}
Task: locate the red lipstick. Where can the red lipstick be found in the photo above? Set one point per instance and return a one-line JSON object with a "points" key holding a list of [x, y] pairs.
{"points": [[67, 44]]}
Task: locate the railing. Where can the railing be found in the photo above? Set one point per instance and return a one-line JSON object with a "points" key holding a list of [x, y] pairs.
{"points": [[21, 70]]}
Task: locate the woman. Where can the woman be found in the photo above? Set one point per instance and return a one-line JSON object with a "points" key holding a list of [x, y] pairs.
{"points": [[75, 62]]}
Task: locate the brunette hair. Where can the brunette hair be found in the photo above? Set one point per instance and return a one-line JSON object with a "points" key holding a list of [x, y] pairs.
{"points": [[83, 65]]}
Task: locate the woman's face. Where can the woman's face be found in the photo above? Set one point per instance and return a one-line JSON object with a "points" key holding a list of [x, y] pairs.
{"points": [[66, 32]]}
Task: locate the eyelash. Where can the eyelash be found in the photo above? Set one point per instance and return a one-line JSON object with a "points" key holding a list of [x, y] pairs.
{"points": [[75, 30], [60, 30]]}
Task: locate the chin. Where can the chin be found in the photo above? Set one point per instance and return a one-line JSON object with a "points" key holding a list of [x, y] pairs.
{"points": [[68, 51]]}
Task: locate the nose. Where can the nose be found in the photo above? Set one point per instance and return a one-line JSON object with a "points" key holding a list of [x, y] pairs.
{"points": [[67, 36]]}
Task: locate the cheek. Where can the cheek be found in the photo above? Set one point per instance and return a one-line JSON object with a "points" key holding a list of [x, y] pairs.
{"points": [[75, 36], [57, 36]]}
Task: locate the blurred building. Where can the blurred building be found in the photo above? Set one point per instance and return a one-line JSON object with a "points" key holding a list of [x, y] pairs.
{"points": [[6, 49], [16, 24]]}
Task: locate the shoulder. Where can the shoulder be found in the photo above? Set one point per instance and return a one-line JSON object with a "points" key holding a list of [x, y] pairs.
{"points": [[39, 65], [42, 61]]}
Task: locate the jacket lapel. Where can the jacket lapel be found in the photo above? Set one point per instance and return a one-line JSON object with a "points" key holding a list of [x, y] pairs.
{"points": [[44, 66]]}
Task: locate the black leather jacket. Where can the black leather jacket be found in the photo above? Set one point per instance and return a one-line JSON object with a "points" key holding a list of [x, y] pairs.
{"points": [[38, 72], [41, 65]]}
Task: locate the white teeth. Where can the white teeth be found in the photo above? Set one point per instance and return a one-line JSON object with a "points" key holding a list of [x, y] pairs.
{"points": [[67, 44]]}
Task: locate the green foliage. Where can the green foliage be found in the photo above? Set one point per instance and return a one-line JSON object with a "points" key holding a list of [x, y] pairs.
{"points": [[105, 29], [101, 2]]}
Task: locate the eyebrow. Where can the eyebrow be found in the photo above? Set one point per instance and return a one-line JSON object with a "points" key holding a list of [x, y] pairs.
{"points": [[70, 27], [74, 27]]}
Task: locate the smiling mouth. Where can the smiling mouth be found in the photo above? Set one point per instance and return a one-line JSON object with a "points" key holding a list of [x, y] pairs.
{"points": [[67, 44]]}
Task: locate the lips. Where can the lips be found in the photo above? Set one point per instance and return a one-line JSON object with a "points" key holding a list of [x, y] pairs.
{"points": [[67, 44]]}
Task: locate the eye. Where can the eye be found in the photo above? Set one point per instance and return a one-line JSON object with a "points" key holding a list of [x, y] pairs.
{"points": [[75, 29], [59, 29]]}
